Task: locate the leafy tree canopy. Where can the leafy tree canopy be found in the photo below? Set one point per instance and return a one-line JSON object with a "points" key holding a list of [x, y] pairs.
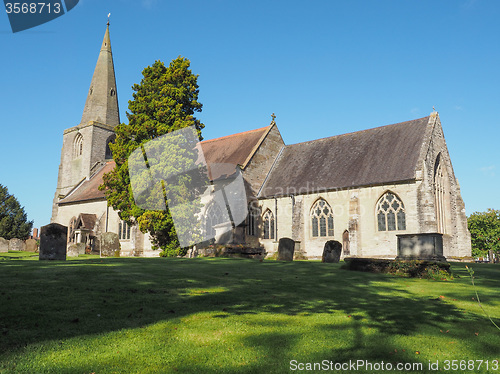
{"points": [[484, 228], [13, 220], [165, 101]]}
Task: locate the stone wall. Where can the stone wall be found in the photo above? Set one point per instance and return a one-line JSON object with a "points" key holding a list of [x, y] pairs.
{"points": [[263, 159], [354, 210], [456, 237], [73, 169]]}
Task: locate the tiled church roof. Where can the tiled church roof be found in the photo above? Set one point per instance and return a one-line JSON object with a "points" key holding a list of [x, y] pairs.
{"points": [[376, 156], [232, 149], [89, 190]]}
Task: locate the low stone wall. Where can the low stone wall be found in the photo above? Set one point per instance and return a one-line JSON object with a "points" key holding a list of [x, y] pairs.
{"points": [[227, 251]]}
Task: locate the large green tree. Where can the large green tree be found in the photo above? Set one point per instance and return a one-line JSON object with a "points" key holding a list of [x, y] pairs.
{"points": [[13, 219], [484, 228], [165, 101]]}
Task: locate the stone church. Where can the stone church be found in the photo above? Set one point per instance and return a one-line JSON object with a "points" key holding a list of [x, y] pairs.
{"points": [[364, 189]]}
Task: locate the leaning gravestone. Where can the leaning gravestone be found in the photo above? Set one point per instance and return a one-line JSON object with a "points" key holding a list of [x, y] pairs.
{"points": [[332, 251], [53, 239], [17, 245], [109, 244], [286, 247], [31, 245], [4, 245]]}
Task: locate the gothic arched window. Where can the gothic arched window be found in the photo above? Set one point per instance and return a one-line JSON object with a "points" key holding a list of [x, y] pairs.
{"points": [[321, 219], [109, 141], [213, 217], [390, 213], [268, 224], [78, 146]]}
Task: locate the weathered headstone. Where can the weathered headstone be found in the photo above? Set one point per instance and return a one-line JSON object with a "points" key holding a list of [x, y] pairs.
{"points": [[332, 251], [53, 242], [286, 247], [31, 245], [4, 245], [75, 249], [109, 244], [17, 245]]}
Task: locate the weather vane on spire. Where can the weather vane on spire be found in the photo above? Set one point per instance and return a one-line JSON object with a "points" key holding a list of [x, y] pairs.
{"points": [[108, 18]]}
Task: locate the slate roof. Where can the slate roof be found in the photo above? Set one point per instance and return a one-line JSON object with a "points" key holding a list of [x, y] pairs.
{"points": [[376, 156], [231, 150]]}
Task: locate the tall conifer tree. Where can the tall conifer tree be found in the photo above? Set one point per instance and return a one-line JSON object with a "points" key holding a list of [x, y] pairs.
{"points": [[165, 101]]}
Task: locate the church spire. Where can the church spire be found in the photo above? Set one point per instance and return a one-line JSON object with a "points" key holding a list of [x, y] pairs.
{"points": [[102, 100]]}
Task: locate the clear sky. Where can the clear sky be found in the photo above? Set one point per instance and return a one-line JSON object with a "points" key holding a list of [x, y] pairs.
{"points": [[325, 67]]}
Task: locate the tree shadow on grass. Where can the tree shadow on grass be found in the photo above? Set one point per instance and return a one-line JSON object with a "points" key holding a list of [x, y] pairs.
{"points": [[60, 300]]}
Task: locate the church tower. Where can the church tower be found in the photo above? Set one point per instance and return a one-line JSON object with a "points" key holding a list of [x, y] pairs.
{"points": [[86, 146]]}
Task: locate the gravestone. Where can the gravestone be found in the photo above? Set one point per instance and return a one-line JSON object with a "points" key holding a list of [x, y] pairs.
{"points": [[31, 245], [4, 245], [17, 245], [332, 251], [75, 249], [109, 244], [286, 247], [53, 242]]}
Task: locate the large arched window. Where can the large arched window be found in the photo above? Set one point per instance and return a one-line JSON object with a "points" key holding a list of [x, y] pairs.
{"points": [[213, 217], [440, 177], [321, 219], [78, 145], [252, 218], [390, 213], [268, 224]]}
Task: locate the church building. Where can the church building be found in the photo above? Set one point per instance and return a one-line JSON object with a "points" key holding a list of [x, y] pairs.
{"points": [[364, 189]]}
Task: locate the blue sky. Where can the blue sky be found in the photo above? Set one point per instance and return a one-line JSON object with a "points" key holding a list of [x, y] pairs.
{"points": [[325, 67]]}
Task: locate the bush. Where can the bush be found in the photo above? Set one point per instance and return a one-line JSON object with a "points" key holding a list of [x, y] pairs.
{"points": [[413, 269]]}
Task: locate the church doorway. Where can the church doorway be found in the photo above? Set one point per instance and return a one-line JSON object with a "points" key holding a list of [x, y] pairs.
{"points": [[345, 243]]}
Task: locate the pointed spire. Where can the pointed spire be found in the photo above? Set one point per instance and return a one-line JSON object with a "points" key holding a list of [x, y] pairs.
{"points": [[102, 100]]}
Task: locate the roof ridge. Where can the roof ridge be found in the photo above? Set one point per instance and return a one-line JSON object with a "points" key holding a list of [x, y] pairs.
{"points": [[231, 135], [357, 132]]}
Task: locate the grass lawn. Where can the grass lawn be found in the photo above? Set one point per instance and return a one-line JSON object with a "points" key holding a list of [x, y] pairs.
{"points": [[138, 315]]}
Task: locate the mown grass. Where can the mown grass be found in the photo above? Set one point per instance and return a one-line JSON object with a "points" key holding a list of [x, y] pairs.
{"points": [[135, 315]]}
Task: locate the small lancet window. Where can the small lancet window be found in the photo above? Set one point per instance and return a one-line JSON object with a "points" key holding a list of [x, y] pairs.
{"points": [[268, 224], [112, 92], [78, 146], [390, 213], [321, 219], [123, 230], [252, 218]]}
